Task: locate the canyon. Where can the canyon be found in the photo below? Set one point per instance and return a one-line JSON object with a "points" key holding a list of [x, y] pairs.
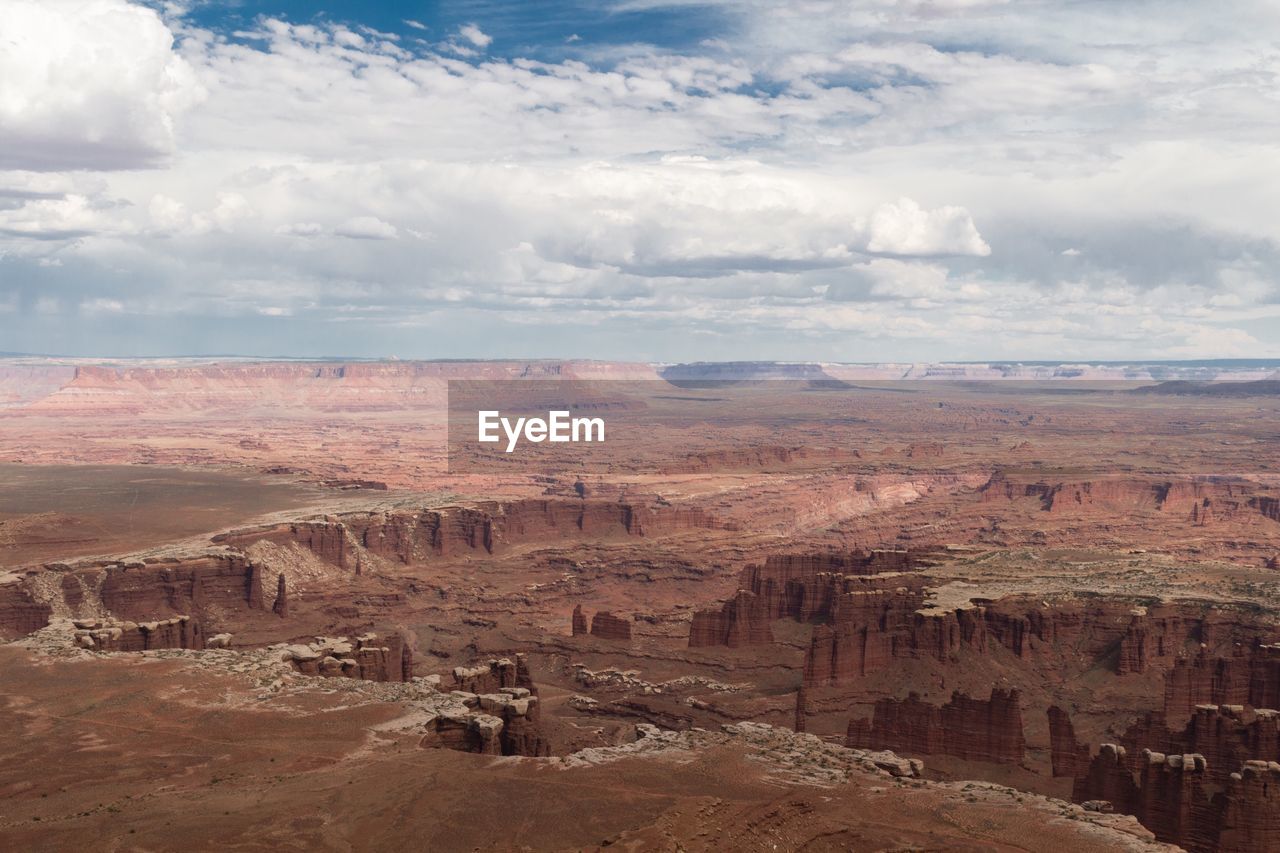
{"points": [[934, 607]]}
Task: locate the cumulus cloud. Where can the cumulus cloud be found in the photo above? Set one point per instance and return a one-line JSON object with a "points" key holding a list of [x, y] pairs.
{"points": [[820, 180], [905, 228], [88, 84], [475, 36]]}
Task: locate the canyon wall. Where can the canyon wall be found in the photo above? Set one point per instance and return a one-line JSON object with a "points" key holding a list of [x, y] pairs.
{"points": [[138, 591], [233, 387], [1201, 775], [973, 729], [499, 712], [868, 630], [21, 612], [606, 626], [415, 536], [803, 587], [1171, 796], [493, 676], [367, 657], [1068, 756], [1199, 501], [1248, 675], [743, 620], [178, 632]]}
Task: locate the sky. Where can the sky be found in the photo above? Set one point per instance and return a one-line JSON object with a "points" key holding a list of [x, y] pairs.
{"points": [[659, 180]]}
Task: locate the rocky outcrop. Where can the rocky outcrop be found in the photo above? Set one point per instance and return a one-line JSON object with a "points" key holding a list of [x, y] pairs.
{"points": [[498, 712], [871, 628], [20, 611], [366, 658], [1167, 794], [1248, 675], [1172, 796], [1069, 757], [464, 731], [802, 586], [742, 621], [1201, 501], [178, 632], [606, 626], [501, 723], [973, 729], [494, 676], [281, 607], [137, 590], [1108, 779], [805, 587], [1250, 814], [1226, 735], [1149, 637], [416, 536], [1173, 802]]}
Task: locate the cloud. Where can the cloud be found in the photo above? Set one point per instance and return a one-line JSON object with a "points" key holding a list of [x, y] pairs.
{"points": [[874, 179], [475, 35], [904, 228], [88, 84], [366, 228]]}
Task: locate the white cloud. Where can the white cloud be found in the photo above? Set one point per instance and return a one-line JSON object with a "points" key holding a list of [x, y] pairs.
{"points": [[366, 228], [475, 35], [831, 168], [904, 228], [88, 84]]}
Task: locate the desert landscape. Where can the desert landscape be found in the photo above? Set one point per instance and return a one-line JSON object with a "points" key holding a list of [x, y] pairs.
{"points": [[927, 607], [757, 426]]}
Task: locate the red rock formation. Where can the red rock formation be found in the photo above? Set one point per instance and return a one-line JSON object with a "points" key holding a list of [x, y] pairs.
{"points": [[1171, 797], [742, 621], [281, 607], [464, 732], [579, 621], [1108, 778], [494, 676], [367, 658], [1230, 735], [1250, 816], [870, 628], [1152, 636], [1226, 735], [326, 539], [503, 723], [1200, 501], [606, 626], [506, 719], [178, 632], [1249, 675], [973, 729], [138, 590], [1267, 507], [802, 586], [412, 537], [20, 612], [1173, 803], [1069, 757], [799, 587]]}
